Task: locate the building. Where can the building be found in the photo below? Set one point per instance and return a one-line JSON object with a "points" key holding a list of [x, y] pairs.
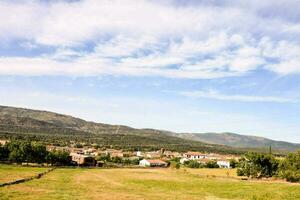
{"points": [[139, 154], [83, 160], [153, 163], [223, 164], [194, 155], [153, 154], [183, 160]]}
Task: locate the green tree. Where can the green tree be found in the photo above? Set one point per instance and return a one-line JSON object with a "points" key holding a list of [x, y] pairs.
{"points": [[233, 163], [289, 168], [193, 164], [212, 164], [39, 153], [4, 152], [257, 165]]}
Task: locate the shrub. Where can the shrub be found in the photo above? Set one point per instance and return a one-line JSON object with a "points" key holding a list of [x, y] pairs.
{"points": [[257, 165], [212, 164], [193, 164], [289, 168]]}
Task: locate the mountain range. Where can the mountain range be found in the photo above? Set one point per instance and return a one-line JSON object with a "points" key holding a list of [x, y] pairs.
{"points": [[240, 141], [54, 128]]}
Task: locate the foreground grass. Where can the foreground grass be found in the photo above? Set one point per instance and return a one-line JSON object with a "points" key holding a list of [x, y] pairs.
{"points": [[13, 172], [150, 184]]}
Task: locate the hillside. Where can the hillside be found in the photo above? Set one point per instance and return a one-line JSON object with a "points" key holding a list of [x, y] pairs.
{"points": [[241, 141], [54, 128]]}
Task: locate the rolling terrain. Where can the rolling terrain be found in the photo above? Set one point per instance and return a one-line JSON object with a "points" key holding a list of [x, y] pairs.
{"points": [[54, 128], [146, 184], [58, 129], [240, 141]]}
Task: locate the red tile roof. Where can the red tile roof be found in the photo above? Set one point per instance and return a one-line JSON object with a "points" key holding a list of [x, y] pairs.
{"points": [[157, 162]]}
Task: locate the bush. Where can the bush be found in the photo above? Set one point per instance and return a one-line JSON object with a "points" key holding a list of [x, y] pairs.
{"points": [[193, 164], [257, 165], [212, 164], [23, 151], [233, 163], [289, 168]]}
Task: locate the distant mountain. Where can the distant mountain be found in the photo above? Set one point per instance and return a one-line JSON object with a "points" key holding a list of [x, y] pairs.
{"points": [[240, 141], [54, 128]]}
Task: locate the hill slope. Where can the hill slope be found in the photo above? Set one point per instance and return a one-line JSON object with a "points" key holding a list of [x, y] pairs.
{"points": [[54, 128], [241, 141]]}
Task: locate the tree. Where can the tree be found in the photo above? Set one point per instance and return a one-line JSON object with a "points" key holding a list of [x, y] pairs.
{"points": [[39, 153], [4, 152], [233, 163], [16, 152], [257, 165], [58, 158], [193, 164], [289, 168], [212, 164]]}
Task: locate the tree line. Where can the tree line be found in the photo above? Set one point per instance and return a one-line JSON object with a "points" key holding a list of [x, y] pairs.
{"points": [[32, 152], [258, 165]]}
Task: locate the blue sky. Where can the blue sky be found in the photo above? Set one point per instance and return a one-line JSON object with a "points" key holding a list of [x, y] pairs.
{"points": [[186, 66]]}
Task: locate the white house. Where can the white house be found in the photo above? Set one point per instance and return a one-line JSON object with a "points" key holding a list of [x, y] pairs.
{"points": [[183, 160], [139, 154], [223, 164], [153, 163]]}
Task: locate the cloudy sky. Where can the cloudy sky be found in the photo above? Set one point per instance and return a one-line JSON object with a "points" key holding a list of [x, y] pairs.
{"points": [[186, 66]]}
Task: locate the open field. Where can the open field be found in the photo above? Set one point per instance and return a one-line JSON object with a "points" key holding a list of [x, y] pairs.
{"points": [[217, 172], [10, 172], [143, 184]]}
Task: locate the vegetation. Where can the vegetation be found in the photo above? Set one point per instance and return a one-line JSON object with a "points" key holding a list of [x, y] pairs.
{"points": [[10, 173], [233, 163], [64, 130], [258, 165], [124, 161], [32, 152], [289, 168], [146, 184], [243, 141], [196, 164]]}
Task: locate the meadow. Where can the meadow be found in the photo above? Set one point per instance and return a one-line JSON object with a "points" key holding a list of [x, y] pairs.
{"points": [[10, 173], [115, 184]]}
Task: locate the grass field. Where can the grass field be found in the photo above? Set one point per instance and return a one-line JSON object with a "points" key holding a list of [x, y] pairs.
{"points": [[10, 172], [115, 184]]}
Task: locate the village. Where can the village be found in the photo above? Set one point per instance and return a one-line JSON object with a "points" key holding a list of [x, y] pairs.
{"points": [[97, 157]]}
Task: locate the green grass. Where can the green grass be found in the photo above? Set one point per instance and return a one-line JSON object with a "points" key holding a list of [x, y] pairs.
{"points": [[13, 172], [144, 184]]}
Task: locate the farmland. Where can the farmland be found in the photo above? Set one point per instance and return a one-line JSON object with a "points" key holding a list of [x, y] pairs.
{"points": [[10, 173], [119, 183]]}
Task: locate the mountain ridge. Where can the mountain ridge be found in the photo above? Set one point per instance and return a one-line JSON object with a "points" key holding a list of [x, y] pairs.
{"points": [[54, 128], [241, 141], [24, 122]]}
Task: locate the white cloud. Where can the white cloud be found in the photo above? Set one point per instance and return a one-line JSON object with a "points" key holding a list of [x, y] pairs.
{"points": [[213, 94], [151, 38]]}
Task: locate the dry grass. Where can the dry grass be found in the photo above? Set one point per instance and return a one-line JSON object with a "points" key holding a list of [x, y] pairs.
{"points": [[13, 172], [121, 184], [221, 173]]}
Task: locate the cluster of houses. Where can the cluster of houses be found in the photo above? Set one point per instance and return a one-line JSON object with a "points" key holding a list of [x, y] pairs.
{"points": [[86, 156], [222, 160]]}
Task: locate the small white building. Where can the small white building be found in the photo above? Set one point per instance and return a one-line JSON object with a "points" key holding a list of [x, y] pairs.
{"points": [[139, 154], [183, 160], [153, 163], [223, 164]]}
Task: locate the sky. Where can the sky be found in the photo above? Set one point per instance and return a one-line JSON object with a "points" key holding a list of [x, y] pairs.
{"points": [[178, 65]]}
